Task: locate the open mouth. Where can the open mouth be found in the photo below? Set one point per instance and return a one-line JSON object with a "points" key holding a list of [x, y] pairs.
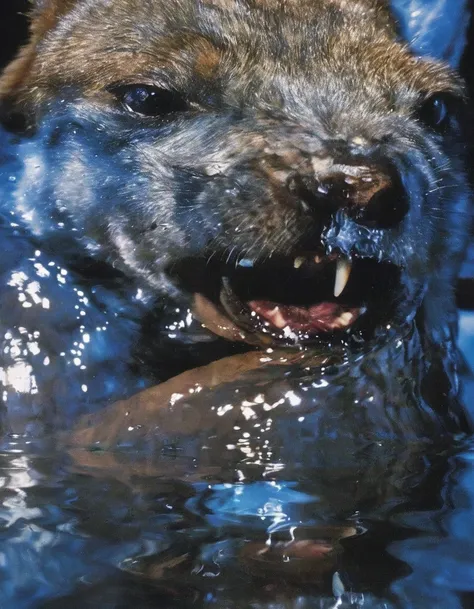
{"points": [[287, 300]]}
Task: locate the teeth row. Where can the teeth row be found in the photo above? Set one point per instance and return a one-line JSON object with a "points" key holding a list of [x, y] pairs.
{"points": [[280, 322], [301, 259], [344, 320], [343, 272]]}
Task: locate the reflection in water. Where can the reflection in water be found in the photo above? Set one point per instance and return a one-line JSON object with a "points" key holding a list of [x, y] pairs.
{"points": [[441, 555], [247, 493], [109, 535]]}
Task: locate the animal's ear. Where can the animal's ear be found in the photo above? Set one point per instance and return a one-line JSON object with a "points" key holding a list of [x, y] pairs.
{"points": [[434, 28], [44, 16]]}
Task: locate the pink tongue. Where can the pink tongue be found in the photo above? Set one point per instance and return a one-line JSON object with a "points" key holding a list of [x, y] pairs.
{"points": [[322, 317]]}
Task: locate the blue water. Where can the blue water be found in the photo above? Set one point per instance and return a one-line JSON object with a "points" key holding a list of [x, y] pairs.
{"points": [[289, 509], [253, 494], [180, 528]]}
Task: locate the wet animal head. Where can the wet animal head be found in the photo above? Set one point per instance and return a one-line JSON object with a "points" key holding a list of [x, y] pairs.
{"points": [[287, 166]]}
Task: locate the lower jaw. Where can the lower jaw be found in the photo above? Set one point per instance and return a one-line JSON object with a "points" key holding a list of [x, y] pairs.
{"points": [[221, 325], [266, 324]]}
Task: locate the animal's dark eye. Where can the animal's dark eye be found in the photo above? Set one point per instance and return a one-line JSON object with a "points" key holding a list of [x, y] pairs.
{"points": [[436, 111], [148, 100]]}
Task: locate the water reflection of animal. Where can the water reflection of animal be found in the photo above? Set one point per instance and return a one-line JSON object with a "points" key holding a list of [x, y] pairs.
{"points": [[287, 468], [292, 186]]}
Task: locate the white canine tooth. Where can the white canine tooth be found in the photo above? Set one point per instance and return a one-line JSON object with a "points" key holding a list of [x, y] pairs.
{"points": [[298, 262], [343, 271]]}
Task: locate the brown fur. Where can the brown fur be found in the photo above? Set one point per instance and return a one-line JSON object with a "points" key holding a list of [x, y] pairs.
{"points": [[80, 54]]}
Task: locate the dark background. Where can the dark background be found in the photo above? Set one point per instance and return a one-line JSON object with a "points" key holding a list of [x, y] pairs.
{"points": [[13, 27]]}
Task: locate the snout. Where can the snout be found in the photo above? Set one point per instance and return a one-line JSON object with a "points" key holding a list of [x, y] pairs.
{"points": [[370, 193], [309, 290]]}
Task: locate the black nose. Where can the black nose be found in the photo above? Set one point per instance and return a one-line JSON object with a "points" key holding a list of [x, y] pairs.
{"points": [[372, 197]]}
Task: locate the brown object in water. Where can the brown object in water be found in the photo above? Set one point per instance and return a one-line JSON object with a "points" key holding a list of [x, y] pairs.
{"points": [[306, 559], [154, 408]]}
